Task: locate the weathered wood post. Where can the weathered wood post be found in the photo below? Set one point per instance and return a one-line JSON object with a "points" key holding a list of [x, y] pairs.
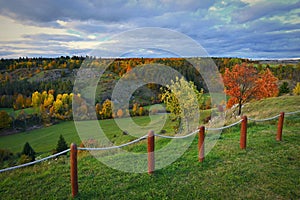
{"points": [[280, 126], [243, 138], [151, 162], [201, 143], [73, 162]]}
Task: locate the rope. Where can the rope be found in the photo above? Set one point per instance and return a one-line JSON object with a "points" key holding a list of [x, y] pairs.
{"points": [[113, 147], [178, 137], [291, 113], [224, 127], [34, 162], [262, 120]]}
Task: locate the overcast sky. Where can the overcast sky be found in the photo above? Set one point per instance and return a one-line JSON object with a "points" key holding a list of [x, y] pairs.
{"points": [[228, 28]]}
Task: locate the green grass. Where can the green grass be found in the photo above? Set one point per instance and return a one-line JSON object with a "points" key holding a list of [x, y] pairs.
{"points": [[266, 108], [45, 139], [11, 110], [267, 169]]}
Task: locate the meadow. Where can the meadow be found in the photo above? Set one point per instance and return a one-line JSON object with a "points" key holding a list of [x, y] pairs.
{"points": [[266, 169]]}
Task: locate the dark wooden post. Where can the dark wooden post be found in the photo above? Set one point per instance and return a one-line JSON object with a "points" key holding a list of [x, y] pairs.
{"points": [[151, 162], [243, 139], [280, 126], [201, 143], [73, 162]]}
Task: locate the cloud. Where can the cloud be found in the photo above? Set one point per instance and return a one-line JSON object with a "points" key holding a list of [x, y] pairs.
{"points": [[52, 37], [262, 9], [117, 10], [242, 28]]}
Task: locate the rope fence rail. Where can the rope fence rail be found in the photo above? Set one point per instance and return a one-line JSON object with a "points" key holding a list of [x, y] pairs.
{"points": [[34, 162], [113, 147], [150, 136]]}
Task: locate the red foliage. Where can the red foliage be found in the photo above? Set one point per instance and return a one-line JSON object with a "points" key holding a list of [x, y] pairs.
{"points": [[244, 83]]}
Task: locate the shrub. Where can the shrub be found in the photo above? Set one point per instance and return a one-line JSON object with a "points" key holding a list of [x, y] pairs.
{"points": [[28, 151], [61, 144], [5, 155], [284, 88], [24, 159]]}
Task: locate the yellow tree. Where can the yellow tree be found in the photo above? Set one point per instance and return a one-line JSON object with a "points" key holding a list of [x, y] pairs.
{"points": [[296, 90], [5, 120], [19, 103], [36, 99]]}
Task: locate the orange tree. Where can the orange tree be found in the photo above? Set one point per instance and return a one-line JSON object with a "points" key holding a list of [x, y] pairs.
{"points": [[243, 83]]}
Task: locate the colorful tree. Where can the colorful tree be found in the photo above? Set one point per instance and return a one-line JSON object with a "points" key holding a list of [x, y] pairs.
{"points": [[36, 99], [185, 91], [266, 85], [243, 83], [5, 120], [120, 113], [296, 90], [106, 111], [19, 103]]}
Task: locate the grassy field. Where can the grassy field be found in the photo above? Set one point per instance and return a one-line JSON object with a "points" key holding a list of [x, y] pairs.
{"points": [[267, 169], [45, 139]]}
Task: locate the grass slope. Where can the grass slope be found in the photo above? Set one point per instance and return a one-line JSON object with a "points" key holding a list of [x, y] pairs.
{"points": [[267, 169], [45, 139]]}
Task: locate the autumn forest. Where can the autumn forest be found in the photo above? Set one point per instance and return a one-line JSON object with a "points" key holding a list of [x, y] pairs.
{"points": [[40, 91]]}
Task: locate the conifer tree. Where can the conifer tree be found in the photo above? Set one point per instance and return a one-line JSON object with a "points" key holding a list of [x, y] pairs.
{"points": [[28, 151], [61, 144]]}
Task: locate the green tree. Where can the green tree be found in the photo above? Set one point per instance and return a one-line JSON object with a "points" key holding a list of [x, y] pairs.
{"points": [[179, 98], [284, 88], [28, 151], [61, 144]]}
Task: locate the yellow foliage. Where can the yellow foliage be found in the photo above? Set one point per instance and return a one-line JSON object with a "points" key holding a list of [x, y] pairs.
{"points": [[296, 90]]}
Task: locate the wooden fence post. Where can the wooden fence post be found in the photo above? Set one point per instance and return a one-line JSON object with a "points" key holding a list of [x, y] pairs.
{"points": [[243, 138], [73, 162], [151, 161], [201, 143], [280, 126]]}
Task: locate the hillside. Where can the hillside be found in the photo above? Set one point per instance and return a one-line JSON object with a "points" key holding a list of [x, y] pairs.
{"points": [[267, 169]]}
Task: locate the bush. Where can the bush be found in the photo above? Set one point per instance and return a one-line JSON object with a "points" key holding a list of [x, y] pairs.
{"points": [[284, 88], [28, 151], [24, 159], [61, 144], [5, 155]]}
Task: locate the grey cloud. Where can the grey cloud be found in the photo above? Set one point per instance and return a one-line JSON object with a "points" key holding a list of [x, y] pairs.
{"points": [[53, 37], [268, 8], [47, 11]]}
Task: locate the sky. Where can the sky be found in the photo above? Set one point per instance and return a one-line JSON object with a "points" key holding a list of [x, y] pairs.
{"points": [[255, 29]]}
